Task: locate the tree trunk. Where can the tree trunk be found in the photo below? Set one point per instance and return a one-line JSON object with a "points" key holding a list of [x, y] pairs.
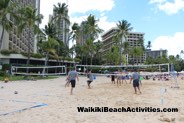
{"points": [[86, 60], [46, 59], [91, 60], [2, 35], [121, 51], [1, 40], [29, 53]]}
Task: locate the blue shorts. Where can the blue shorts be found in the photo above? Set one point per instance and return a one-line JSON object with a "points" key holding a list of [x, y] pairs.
{"points": [[136, 83]]}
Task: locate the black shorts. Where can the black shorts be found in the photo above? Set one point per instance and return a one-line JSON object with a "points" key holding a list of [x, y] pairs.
{"points": [[112, 78], [136, 83], [73, 83], [88, 81]]}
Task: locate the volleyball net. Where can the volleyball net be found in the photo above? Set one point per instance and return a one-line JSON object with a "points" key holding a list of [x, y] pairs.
{"points": [[154, 69], [39, 71]]}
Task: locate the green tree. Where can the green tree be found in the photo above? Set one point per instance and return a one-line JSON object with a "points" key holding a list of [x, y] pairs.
{"points": [[148, 45], [87, 33], [122, 32], [7, 10], [61, 12], [136, 52], [141, 43], [126, 51], [29, 20], [73, 36], [89, 46], [49, 48], [50, 30], [112, 56], [97, 55], [92, 28]]}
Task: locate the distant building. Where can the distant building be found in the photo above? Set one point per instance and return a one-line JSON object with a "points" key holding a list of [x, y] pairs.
{"points": [[81, 39], [62, 27], [13, 41], [155, 53], [133, 38]]}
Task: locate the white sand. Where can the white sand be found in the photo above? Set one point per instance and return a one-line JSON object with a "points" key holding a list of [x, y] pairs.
{"points": [[62, 107]]}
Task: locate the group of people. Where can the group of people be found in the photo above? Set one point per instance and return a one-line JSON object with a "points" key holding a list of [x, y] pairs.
{"points": [[136, 77], [73, 76]]}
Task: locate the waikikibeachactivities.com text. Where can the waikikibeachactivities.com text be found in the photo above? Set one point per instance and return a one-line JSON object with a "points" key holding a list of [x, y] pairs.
{"points": [[127, 109]]}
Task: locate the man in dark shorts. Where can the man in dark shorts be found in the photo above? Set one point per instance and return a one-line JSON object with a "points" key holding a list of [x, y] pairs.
{"points": [[135, 78], [90, 76], [72, 75], [113, 78]]}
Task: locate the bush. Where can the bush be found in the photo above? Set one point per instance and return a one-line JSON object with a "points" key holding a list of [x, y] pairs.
{"points": [[8, 52], [2, 73], [14, 52], [77, 60], [24, 54], [37, 55], [6, 67], [68, 59], [5, 52]]}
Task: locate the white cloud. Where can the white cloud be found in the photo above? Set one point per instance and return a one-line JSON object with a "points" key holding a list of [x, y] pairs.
{"points": [[83, 6], [157, 1], [78, 19], [75, 6], [174, 44], [105, 24], [169, 7]]}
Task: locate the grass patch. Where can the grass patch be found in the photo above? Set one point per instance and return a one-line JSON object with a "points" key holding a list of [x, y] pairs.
{"points": [[16, 78]]}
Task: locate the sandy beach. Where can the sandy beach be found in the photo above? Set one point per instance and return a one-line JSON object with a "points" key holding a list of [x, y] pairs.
{"points": [[58, 106]]}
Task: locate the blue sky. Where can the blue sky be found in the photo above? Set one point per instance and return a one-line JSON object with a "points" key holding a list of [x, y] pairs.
{"points": [[160, 20]]}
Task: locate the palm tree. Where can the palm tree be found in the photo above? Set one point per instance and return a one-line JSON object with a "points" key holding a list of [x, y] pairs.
{"points": [[7, 10], [29, 18], [89, 46], [136, 52], [92, 29], [61, 11], [73, 35], [112, 56], [141, 43], [97, 51], [79, 52], [50, 30], [122, 32], [64, 50], [148, 45], [126, 49], [177, 56], [49, 48], [74, 32]]}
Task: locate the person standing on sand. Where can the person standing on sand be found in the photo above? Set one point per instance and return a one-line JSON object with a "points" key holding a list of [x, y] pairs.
{"points": [[67, 81], [90, 76], [135, 77], [72, 75], [113, 78]]}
